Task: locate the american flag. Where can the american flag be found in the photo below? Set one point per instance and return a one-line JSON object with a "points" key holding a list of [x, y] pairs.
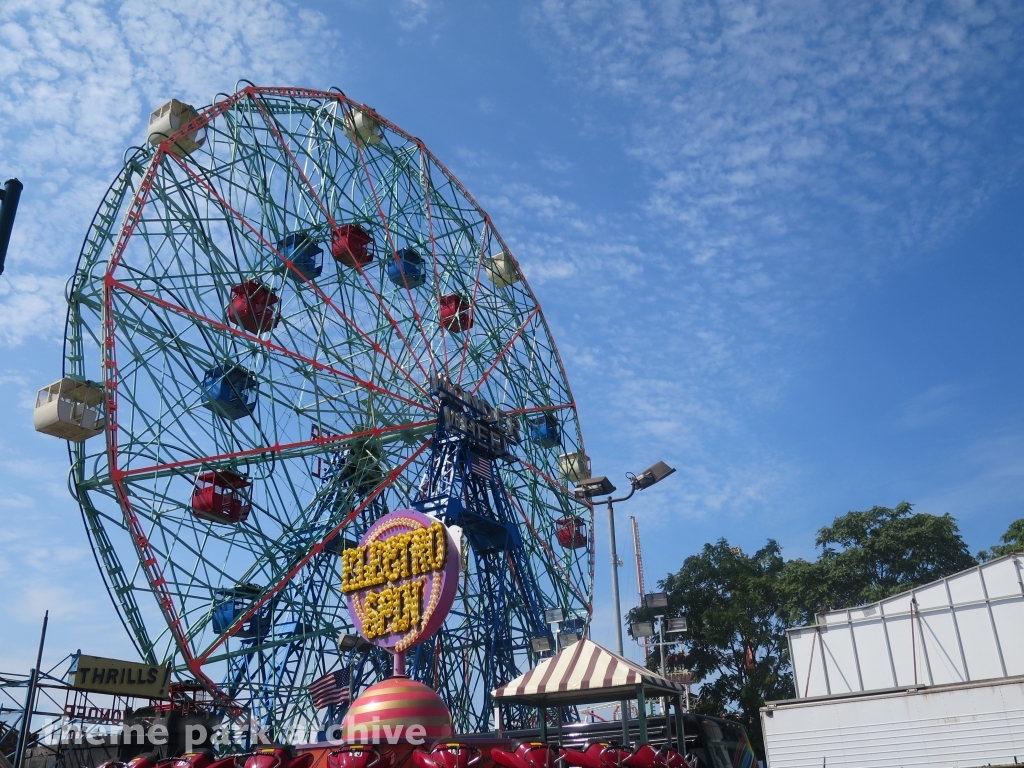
{"points": [[331, 689], [482, 467]]}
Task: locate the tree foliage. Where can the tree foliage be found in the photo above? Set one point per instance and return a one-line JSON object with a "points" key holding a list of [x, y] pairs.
{"points": [[867, 556], [739, 606], [736, 643], [1013, 541]]}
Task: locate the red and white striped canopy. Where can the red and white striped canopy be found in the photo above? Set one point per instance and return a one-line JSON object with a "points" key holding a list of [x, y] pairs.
{"points": [[584, 673]]}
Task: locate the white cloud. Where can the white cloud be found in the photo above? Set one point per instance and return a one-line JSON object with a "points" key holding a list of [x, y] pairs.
{"points": [[78, 79], [31, 306], [775, 122], [411, 14]]}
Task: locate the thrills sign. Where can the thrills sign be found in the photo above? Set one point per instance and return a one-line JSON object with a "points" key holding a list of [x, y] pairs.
{"points": [[121, 678], [401, 579]]}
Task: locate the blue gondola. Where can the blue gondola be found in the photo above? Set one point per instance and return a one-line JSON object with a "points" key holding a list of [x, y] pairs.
{"points": [[305, 254], [545, 430], [230, 391], [229, 604], [406, 268]]}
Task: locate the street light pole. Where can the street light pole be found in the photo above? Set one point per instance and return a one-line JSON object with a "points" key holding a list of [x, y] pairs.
{"points": [[615, 578], [615, 599], [585, 491], [624, 705]]}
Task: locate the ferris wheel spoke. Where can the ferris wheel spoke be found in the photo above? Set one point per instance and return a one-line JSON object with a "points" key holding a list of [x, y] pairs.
{"points": [[224, 328], [266, 243], [310, 189], [501, 355], [318, 547], [299, 449], [394, 247]]}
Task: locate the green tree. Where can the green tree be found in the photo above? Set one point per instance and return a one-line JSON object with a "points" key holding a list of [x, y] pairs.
{"points": [[736, 644], [867, 556], [1013, 541]]}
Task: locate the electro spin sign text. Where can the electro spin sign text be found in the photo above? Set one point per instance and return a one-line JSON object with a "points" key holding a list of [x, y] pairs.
{"points": [[401, 579]]}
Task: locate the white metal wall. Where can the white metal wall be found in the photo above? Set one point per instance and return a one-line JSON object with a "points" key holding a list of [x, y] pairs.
{"points": [[958, 727], [963, 628]]}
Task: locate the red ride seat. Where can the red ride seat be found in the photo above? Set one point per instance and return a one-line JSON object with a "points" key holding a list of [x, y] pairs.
{"points": [[359, 756], [201, 758], [447, 754], [278, 756], [145, 760], [598, 754], [526, 754], [644, 757]]}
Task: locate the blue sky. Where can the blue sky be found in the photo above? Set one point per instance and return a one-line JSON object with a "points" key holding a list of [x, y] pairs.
{"points": [[779, 244]]}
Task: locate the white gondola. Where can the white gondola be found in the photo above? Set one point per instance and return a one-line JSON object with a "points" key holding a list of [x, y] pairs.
{"points": [[363, 129], [167, 120], [574, 466], [501, 270], [73, 410]]}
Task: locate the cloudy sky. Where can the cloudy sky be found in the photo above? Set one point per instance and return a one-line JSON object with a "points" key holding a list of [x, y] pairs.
{"points": [[779, 243]]}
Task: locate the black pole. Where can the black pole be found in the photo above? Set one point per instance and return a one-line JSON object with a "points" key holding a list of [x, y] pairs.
{"points": [[26, 718], [9, 197]]}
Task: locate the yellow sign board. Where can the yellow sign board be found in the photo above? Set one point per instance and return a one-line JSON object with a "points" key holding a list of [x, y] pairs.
{"points": [[121, 678]]}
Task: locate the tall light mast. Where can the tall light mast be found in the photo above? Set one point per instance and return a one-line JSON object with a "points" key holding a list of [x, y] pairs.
{"points": [[639, 574]]}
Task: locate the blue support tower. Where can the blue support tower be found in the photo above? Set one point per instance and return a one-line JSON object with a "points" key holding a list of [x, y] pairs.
{"points": [[463, 487]]}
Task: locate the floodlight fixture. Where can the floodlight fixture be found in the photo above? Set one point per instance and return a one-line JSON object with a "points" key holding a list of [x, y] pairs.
{"points": [[554, 616], [565, 639], [642, 629], [653, 474], [540, 644], [655, 600], [677, 624], [593, 486], [357, 643]]}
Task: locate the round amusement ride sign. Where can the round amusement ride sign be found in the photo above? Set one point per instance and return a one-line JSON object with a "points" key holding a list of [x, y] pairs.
{"points": [[401, 579]]}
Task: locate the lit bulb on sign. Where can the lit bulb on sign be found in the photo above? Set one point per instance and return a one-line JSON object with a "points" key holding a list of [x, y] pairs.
{"points": [[401, 579]]}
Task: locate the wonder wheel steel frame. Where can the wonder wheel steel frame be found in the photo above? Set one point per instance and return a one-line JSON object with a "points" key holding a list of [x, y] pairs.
{"points": [[343, 420]]}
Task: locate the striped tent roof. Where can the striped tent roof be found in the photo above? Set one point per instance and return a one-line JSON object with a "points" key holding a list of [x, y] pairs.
{"points": [[584, 673]]}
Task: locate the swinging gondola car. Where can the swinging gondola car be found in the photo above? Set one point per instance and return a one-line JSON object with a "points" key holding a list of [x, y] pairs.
{"points": [[230, 391], [167, 120], [362, 128], [304, 253], [456, 313], [350, 245], [406, 269], [571, 532], [501, 270], [545, 430], [574, 466], [253, 307], [219, 497], [70, 409]]}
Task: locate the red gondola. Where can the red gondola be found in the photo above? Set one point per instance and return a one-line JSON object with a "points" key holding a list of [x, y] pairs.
{"points": [[252, 307], [456, 313], [350, 244], [571, 532], [220, 498]]}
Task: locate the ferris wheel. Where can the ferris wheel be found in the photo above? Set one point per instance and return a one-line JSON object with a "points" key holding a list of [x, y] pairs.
{"points": [[289, 318]]}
